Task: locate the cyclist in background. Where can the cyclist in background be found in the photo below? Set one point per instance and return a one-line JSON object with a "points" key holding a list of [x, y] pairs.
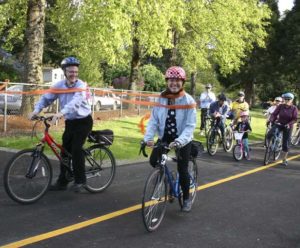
{"points": [[285, 115], [238, 106], [206, 98], [218, 110], [270, 110], [75, 109], [174, 126], [244, 126]]}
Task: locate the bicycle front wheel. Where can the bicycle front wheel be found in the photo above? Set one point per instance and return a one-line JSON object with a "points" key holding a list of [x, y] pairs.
{"points": [[100, 168], [27, 176], [228, 139], [193, 173], [237, 152], [154, 200], [269, 151], [212, 142], [295, 137]]}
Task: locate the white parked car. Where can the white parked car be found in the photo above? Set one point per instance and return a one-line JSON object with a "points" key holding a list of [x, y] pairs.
{"points": [[106, 100], [14, 101]]}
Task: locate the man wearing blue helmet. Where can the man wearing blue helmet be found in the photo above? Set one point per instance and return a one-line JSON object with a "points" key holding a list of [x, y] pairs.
{"points": [[284, 116], [75, 109]]}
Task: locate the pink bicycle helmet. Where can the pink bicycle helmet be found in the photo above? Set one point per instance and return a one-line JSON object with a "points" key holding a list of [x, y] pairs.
{"points": [[175, 72], [244, 113]]}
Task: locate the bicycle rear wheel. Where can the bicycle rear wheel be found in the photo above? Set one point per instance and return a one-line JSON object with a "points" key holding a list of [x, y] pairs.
{"points": [[193, 172], [237, 152], [27, 176], [154, 200], [100, 168], [269, 151], [212, 141]]}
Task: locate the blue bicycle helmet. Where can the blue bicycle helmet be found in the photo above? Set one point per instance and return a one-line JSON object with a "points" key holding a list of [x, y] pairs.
{"points": [[69, 61], [288, 95]]}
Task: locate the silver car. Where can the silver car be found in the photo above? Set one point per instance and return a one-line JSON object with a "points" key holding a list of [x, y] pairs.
{"points": [[13, 101]]}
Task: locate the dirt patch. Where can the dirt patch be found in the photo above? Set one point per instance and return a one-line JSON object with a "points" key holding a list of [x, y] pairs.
{"points": [[17, 125]]}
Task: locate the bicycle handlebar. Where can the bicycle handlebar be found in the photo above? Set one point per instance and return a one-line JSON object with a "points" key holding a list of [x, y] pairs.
{"points": [[41, 118], [163, 145]]}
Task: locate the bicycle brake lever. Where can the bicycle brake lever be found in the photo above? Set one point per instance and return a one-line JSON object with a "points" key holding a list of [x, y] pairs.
{"points": [[142, 149]]}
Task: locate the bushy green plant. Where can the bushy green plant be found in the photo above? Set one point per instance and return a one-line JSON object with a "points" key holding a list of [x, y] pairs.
{"points": [[153, 78]]}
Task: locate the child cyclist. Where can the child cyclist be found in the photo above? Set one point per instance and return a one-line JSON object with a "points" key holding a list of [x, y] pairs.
{"points": [[244, 126]]}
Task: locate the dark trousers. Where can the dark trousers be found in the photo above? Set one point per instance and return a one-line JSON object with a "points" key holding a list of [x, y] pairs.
{"points": [[182, 167], [74, 136], [203, 116]]}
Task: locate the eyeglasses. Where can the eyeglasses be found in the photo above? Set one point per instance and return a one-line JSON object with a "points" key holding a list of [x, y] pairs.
{"points": [[287, 99], [72, 72]]}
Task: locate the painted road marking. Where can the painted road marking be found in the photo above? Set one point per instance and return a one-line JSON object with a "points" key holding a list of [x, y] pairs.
{"points": [[124, 211]]}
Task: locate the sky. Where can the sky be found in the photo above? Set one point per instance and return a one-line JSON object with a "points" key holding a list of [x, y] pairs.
{"points": [[285, 4]]}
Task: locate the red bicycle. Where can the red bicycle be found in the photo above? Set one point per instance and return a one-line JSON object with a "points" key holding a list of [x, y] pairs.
{"points": [[28, 174]]}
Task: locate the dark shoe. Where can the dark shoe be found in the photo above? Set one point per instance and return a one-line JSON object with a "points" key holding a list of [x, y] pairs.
{"points": [[284, 163], [187, 206], [58, 187], [78, 187]]}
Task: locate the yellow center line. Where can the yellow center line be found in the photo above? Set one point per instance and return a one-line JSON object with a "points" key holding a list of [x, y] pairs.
{"points": [[124, 211]]}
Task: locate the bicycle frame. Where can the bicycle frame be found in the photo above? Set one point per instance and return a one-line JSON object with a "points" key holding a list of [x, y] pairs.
{"points": [[56, 148]]}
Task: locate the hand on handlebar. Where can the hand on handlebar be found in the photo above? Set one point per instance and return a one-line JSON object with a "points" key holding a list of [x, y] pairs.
{"points": [[56, 117], [32, 115], [174, 144]]}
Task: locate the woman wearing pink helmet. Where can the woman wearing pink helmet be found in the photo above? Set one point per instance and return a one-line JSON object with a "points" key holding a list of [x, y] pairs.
{"points": [[174, 125]]}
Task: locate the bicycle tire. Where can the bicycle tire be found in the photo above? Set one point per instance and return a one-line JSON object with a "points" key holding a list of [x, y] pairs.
{"points": [[295, 138], [277, 151], [207, 126], [154, 200], [228, 142], [269, 151], [24, 189], [193, 172], [100, 170], [212, 141], [237, 152]]}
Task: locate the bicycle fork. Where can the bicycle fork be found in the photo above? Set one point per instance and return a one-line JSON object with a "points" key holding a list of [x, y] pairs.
{"points": [[36, 156]]}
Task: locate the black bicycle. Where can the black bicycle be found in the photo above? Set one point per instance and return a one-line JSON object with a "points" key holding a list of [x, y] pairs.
{"points": [[28, 174], [214, 138], [163, 185], [273, 145]]}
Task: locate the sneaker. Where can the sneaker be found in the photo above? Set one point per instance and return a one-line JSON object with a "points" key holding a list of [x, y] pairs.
{"points": [[187, 206], [58, 187], [284, 163], [78, 187]]}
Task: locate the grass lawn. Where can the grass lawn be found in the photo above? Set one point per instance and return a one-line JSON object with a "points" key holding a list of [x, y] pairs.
{"points": [[128, 135]]}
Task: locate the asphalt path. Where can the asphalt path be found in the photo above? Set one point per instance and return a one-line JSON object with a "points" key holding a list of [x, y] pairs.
{"points": [[239, 204]]}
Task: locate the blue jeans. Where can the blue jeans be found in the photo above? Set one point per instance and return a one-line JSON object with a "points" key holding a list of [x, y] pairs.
{"points": [[246, 145]]}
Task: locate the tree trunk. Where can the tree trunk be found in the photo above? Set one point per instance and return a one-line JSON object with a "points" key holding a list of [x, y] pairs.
{"points": [[173, 59], [193, 84], [135, 63], [249, 93], [34, 45]]}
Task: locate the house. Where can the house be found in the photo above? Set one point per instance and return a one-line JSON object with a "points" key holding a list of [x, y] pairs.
{"points": [[52, 75]]}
